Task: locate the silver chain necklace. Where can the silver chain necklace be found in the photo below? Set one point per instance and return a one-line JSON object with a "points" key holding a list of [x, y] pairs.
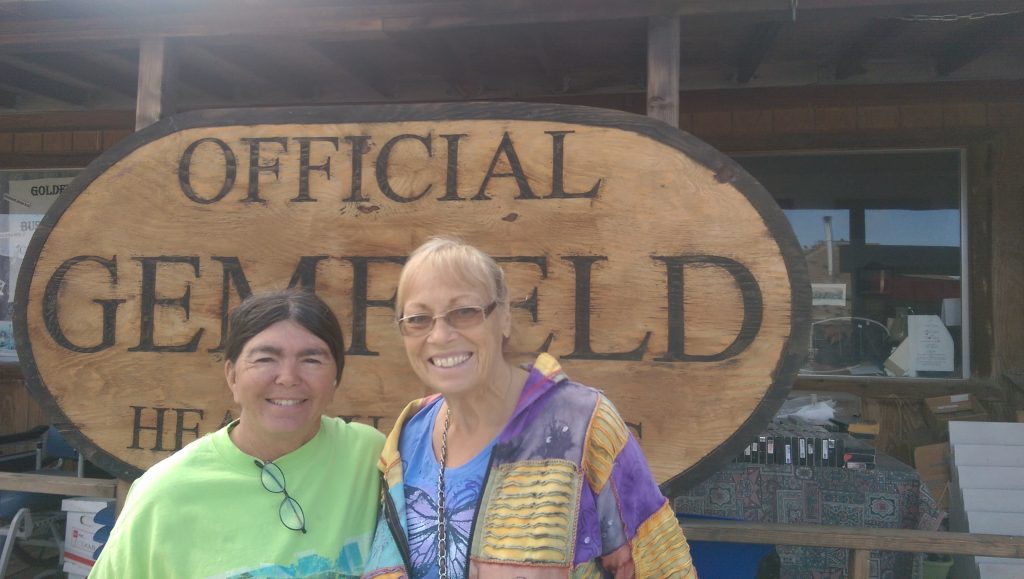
{"points": [[442, 533]]}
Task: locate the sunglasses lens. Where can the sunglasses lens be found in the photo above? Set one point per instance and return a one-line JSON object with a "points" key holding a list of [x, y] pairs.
{"points": [[272, 478], [292, 515]]}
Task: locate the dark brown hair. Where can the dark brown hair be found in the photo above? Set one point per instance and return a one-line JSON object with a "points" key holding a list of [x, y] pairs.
{"points": [[260, 311]]}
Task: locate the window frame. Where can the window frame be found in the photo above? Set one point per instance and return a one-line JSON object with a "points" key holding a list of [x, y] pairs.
{"points": [[962, 155]]}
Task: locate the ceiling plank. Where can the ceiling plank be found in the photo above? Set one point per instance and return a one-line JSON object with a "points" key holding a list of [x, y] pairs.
{"points": [[441, 54], [976, 40], [756, 46], [213, 75], [266, 62], [356, 22], [48, 72], [551, 65], [8, 100], [359, 68], [15, 77], [850, 61], [374, 19], [80, 66]]}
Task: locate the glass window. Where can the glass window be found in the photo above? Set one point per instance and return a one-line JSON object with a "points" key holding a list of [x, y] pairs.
{"points": [[882, 235], [25, 195]]}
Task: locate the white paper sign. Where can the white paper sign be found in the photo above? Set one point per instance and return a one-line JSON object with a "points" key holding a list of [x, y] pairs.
{"points": [[828, 294], [27, 201], [35, 195], [931, 346]]}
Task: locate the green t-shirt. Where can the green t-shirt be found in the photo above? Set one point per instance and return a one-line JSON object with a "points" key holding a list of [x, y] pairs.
{"points": [[203, 512]]}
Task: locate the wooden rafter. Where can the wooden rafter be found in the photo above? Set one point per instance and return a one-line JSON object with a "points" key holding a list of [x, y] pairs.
{"points": [[261, 63], [211, 74], [7, 99], [755, 47], [359, 68], [13, 76], [550, 64], [99, 75], [976, 39], [440, 53], [851, 59]]}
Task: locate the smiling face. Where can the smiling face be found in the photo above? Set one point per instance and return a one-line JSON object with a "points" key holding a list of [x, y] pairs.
{"points": [[284, 379], [449, 360]]}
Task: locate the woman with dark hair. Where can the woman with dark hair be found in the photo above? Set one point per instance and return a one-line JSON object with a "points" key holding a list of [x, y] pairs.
{"points": [[507, 471], [283, 491]]}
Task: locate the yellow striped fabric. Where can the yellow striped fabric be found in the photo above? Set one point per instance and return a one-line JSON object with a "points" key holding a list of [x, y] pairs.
{"points": [[660, 549], [605, 439], [532, 516]]}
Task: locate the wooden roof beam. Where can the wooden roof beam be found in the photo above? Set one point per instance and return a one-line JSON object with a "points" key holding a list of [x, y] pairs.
{"points": [[80, 66], [360, 70], [357, 21], [551, 65], [211, 74], [459, 70], [14, 76], [851, 59], [260, 65], [8, 100], [440, 53], [978, 39], [755, 48]]}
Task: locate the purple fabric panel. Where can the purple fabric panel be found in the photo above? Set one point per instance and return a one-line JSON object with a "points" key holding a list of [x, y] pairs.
{"points": [[613, 535], [588, 530], [536, 384], [639, 496], [553, 426]]}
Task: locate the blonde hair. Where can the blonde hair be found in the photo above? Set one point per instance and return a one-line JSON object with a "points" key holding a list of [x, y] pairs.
{"points": [[457, 259]]}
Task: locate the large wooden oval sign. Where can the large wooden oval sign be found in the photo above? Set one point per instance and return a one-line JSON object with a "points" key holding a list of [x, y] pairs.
{"points": [[651, 265]]}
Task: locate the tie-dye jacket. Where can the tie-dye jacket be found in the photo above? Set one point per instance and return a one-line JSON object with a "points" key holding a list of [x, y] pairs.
{"points": [[567, 493]]}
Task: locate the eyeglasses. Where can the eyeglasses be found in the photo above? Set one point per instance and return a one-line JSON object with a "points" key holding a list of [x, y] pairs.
{"points": [[290, 511], [460, 318]]}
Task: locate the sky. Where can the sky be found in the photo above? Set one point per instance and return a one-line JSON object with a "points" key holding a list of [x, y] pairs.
{"points": [[939, 227]]}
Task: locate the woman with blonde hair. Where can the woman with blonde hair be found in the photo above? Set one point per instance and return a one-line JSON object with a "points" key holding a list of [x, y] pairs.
{"points": [[507, 471]]}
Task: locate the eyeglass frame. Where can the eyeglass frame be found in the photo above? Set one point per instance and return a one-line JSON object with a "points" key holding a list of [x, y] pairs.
{"points": [[287, 500], [486, 310]]}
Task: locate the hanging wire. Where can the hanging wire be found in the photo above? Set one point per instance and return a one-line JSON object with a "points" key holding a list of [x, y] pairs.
{"points": [[955, 17]]}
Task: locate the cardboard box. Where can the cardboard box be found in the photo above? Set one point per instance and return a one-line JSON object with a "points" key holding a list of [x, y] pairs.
{"points": [[1001, 433], [932, 463], [79, 541], [941, 410], [949, 404]]}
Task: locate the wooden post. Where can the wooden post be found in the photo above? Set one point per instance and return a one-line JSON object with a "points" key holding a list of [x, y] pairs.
{"points": [[156, 82], [860, 564], [663, 69]]}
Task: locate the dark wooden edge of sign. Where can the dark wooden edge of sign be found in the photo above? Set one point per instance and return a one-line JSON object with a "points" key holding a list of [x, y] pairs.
{"points": [[724, 168]]}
